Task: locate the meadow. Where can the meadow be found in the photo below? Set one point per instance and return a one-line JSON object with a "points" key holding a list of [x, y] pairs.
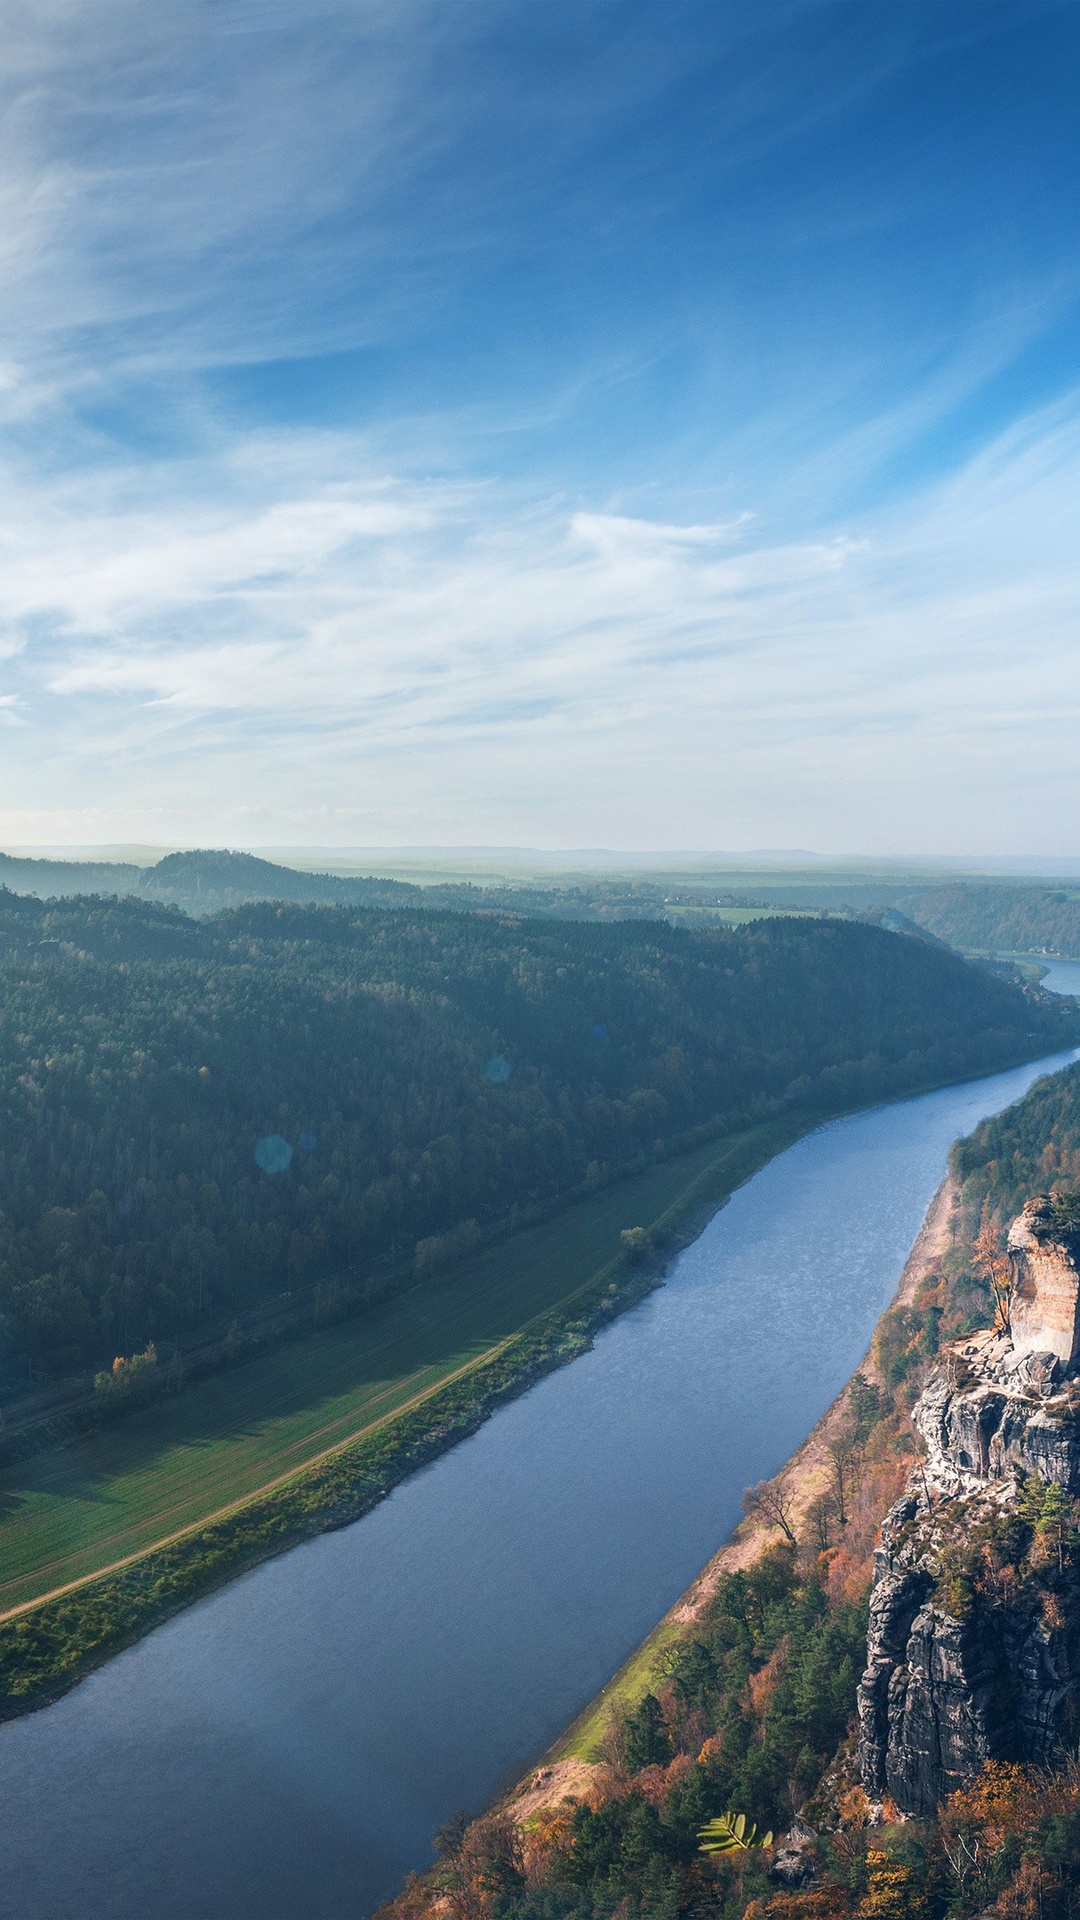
{"points": [[68, 1515]]}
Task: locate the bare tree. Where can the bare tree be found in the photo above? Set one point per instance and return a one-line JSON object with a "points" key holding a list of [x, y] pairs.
{"points": [[963, 1859], [844, 1454], [768, 1501]]}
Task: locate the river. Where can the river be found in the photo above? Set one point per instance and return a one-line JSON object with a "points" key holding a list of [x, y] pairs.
{"points": [[1061, 976], [284, 1750]]}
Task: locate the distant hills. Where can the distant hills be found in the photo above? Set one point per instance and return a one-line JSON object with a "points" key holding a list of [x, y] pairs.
{"points": [[976, 916], [52, 879], [202, 881], [210, 880]]}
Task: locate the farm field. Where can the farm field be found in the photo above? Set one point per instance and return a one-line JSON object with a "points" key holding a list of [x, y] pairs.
{"points": [[70, 1514]]}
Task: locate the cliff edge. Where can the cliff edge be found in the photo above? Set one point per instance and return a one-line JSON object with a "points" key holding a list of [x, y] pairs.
{"points": [[973, 1648]]}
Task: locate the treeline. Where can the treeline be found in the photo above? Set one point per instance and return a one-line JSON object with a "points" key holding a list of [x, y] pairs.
{"points": [[195, 1116], [1005, 1848]]}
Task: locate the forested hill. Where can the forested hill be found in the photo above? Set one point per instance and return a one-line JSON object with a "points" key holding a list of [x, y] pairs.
{"points": [[1000, 919], [997, 916], [208, 880], [203, 881], [194, 1115]]}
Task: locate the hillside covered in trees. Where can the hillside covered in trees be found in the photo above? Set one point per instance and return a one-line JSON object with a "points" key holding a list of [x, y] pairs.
{"points": [[204, 880], [196, 1115], [998, 918]]}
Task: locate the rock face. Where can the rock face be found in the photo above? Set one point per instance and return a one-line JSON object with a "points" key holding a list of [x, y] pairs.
{"points": [[1046, 1285], [974, 1638]]}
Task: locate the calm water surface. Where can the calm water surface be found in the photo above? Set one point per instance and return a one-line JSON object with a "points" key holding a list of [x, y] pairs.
{"points": [[1061, 976], [285, 1750]]}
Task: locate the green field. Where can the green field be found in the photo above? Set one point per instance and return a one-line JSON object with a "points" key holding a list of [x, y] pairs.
{"points": [[70, 1514]]}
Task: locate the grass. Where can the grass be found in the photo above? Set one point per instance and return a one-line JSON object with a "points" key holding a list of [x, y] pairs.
{"points": [[584, 1738], [69, 1515], [47, 1644]]}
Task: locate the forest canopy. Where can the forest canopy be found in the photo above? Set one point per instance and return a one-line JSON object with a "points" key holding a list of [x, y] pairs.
{"points": [[195, 1115]]}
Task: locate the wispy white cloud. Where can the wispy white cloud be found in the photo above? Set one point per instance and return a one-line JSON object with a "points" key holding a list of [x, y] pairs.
{"points": [[378, 651]]}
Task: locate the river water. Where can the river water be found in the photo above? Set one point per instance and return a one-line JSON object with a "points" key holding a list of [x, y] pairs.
{"points": [[285, 1750], [1061, 976]]}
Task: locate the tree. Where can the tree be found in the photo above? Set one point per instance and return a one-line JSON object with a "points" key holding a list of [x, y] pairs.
{"points": [[768, 1502], [1046, 1505], [843, 1453], [479, 1864], [636, 1245], [866, 1405], [893, 1892], [1055, 1518], [820, 1515], [995, 1268], [641, 1738]]}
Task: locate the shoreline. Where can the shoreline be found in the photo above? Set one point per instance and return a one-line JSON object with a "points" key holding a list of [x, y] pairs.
{"points": [[564, 1773], [52, 1643]]}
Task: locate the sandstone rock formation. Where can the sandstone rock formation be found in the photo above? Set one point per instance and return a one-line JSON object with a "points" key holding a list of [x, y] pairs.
{"points": [[974, 1638], [1046, 1285]]}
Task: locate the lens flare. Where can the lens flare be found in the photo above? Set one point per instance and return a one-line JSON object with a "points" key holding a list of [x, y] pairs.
{"points": [[272, 1153]]}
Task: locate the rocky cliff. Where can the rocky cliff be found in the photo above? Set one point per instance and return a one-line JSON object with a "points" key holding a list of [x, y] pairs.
{"points": [[974, 1638], [1045, 1306]]}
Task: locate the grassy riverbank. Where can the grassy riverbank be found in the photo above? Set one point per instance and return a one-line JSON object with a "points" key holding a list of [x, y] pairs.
{"points": [[139, 1520]]}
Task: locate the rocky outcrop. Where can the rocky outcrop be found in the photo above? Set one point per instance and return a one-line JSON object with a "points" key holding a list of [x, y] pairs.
{"points": [[974, 1638], [1045, 1309], [989, 1414], [795, 1860], [947, 1689]]}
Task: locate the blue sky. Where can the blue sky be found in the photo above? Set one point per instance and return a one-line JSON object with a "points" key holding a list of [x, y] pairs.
{"points": [[599, 425]]}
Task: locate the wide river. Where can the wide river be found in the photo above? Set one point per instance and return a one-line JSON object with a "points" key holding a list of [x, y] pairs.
{"points": [[284, 1750]]}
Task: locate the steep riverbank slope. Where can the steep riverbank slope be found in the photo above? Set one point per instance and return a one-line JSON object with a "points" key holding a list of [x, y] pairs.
{"points": [[973, 1642]]}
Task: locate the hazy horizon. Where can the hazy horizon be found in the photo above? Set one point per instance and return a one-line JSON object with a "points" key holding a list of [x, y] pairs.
{"points": [[778, 862]]}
